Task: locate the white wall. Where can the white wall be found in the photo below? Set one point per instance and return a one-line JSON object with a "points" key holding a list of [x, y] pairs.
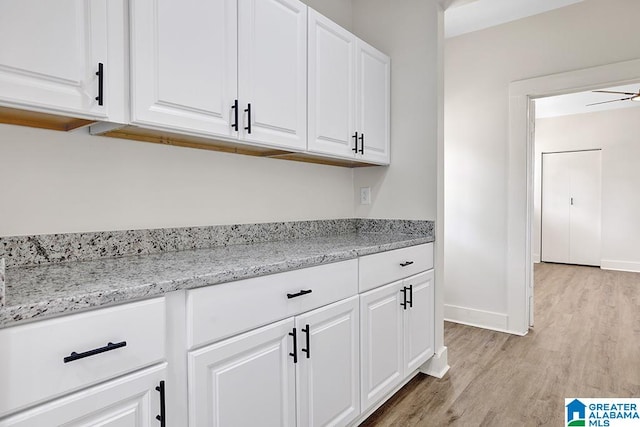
{"points": [[478, 69], [610, 131], [55, 182], [407, 31]]}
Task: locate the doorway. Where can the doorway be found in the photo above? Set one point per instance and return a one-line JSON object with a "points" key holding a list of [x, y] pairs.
{"points": [[520, 177]]}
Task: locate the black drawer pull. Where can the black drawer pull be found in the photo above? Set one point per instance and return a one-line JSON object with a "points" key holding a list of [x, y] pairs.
{"points": [[100, 74], [295, 345], [110, 346], [299, 294], [362, 143], [248, 111], [235, 115], [307, 332], [404, 264], [410, 301], [163, 416], [404, 298], [355, 136]]}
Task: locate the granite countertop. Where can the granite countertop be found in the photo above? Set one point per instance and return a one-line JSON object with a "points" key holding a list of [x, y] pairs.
{"points": [[37, 292]]}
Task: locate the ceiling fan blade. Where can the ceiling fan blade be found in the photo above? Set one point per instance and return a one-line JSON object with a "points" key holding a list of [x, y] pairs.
{"points": [[609, 91], [606, 102]]}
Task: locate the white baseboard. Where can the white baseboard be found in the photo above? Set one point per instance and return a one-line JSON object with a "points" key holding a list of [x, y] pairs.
{"points": [[478, 318], [438, 365], [536, 258], [609, 264]]}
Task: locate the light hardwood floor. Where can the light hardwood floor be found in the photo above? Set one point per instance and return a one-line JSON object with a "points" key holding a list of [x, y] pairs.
{"points": [[585, 343]]}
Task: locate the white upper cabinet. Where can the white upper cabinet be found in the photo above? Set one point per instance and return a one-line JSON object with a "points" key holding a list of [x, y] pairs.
{"points": [[373, 96], [235, 69], [272, 62], [49, 56], [332, 87], [349, 94], [184, 65]]}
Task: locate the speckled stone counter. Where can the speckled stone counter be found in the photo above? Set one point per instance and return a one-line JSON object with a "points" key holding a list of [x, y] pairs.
{"points": [[39, 291]]}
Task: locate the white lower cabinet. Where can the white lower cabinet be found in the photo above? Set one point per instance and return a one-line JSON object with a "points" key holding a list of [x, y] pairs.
{"points": [[328, 369], [134, 400], [380, 342], [299, 371], [396, 334], [247, 380]]}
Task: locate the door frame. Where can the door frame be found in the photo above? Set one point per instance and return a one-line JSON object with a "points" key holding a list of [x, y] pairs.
{"points": [[519, 259]]}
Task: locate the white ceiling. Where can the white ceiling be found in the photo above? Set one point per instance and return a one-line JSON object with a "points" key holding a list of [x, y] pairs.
{"points": [[575, 103], [465, 16]]}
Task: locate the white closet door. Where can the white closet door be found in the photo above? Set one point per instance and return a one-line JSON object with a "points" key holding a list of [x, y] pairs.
{"points": [[571, 211], [585, 209], [556, 207]]}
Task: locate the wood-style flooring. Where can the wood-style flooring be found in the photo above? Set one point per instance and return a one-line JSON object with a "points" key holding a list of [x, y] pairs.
{"points": [[585, 343]]}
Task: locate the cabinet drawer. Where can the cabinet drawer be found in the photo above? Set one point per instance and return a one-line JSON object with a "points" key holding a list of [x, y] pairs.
{"points": [[220, 311], [32, 356], [386, 267]]}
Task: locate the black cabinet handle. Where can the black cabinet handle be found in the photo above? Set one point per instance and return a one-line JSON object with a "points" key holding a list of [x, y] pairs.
{"points": [[162, 417], [295, 345], [307, 333], [299, 294], [235, 115], [361, 143], [110, 346], [404, 298], [100, 74], [410, 301], [355, 136], [248, 111], [404, 264]]}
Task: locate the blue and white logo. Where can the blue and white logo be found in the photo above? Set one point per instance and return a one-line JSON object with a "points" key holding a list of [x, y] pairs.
{"points": [[602, 412]]}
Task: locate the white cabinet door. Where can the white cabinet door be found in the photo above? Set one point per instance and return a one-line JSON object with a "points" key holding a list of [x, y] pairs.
{"points": [[130, 401], [184, 65], [418, 321], [49, 55], [381, 340], [328, 377], [332, 87], [272, 48], [247, 380], [373, 103]]}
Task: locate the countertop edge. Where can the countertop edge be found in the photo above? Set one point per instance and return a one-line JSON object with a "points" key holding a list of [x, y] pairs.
{"points": [[26, 313]]}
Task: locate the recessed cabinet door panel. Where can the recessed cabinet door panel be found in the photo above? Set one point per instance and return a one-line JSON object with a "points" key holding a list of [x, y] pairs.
{"points": [[247, 380], [418, 322], [49, 54], [184, 64], [373, 101], [272, 47], [381, 339], [332, 94], [328, 377], [130, 401]]}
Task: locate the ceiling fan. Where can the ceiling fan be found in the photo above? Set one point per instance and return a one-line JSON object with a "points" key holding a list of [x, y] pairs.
{"points": [[630, 96]]}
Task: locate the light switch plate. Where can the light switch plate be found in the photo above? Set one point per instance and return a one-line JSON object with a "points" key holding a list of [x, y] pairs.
{"points": [[365, 195]]}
